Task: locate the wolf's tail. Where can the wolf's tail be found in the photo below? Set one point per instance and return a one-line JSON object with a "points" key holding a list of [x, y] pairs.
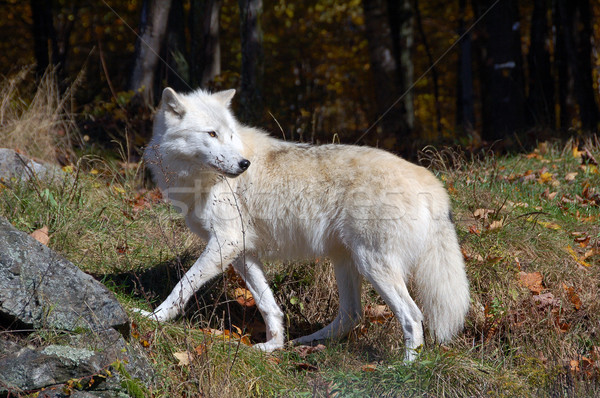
{"points": [[441, 283]]}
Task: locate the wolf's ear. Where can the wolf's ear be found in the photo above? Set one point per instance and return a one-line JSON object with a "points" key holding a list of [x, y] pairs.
{"points": [[225, 97], [172, 102]]}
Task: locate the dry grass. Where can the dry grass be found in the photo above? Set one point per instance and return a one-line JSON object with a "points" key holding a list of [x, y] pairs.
{"points": [[40, 125]]}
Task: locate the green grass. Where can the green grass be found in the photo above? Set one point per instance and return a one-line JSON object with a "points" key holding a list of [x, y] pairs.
{"points": [[104, 218]]}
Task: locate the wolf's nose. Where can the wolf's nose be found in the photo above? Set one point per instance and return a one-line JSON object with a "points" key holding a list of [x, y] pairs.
{"points": [[244, 164]]}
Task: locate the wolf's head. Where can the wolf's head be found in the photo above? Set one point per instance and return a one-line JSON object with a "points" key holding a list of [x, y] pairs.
{"points": [[199, 130]]}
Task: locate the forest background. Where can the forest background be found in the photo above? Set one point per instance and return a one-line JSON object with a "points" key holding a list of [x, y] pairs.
{"points": [[393, 74]]}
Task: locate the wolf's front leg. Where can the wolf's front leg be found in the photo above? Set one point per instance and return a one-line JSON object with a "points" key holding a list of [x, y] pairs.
{"points": [[252, 273], [211, 263]]}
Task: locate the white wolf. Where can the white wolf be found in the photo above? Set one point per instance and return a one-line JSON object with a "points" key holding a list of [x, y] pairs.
{"points": [[252, 197]]}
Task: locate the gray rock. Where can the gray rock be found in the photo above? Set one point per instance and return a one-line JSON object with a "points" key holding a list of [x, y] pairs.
{"points": [[99, 362], [13, 165], [41, 289]]}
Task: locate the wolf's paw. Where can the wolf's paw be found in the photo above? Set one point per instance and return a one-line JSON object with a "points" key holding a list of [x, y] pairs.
{"points": [[144, 313], [268, 346], [412, 353], [158, 315]]}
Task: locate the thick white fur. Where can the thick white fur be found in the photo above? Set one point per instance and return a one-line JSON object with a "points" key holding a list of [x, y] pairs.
{"points": [[373, 214]]}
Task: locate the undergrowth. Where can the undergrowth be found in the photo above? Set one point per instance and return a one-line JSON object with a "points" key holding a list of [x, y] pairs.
{"points": [[529, 230]]}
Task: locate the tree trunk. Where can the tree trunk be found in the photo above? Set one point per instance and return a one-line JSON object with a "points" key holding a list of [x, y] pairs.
{"points": [[45, 46], [504, 100], [575, 33], [251, 100], [565, 99], [389, 33], [435, 80], [465, 110], [541, 84], [177, 68], [153, 26], [205, 48]]}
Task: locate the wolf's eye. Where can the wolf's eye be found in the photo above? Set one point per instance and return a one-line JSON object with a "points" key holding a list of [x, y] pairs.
{"points": [[212, 134]]}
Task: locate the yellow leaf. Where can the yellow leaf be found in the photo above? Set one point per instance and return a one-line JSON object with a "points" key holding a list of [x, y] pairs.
{"points": [[94, 171], [68, 169], [576, 257], [545, 177], [546, 224]]}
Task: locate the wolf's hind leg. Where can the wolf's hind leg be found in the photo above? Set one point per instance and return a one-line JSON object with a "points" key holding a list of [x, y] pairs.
{"points": [[394, 292], [254, 277], [349, 287]]}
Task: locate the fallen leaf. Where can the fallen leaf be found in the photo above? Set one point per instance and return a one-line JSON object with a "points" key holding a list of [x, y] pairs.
{"points": [[532, 281], [572, 295], [562, 327], [545, 300], [497, 224], [274, 360], [41, 235], [493, 259], [306, 366], [474, 230], [370, 367], [244, 297], [377, 313], [304, 350], [590, 253], [545, 177], [483, 213], [201, 349], [587, 364], [184, 357], [545, 224], [549, 195], [228, 335], [574, 365], [571, 176], [576, 257], [583, 241]]}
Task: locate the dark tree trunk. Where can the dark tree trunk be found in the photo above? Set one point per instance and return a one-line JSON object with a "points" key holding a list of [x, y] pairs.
{"points": [[177, 70], [565, 101], [205, 48], [575, 50], [389, 33], [435, 80], [541, 84], [465, 110], [153, 26], [45, 45], [251, 100], [504, 99]]}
